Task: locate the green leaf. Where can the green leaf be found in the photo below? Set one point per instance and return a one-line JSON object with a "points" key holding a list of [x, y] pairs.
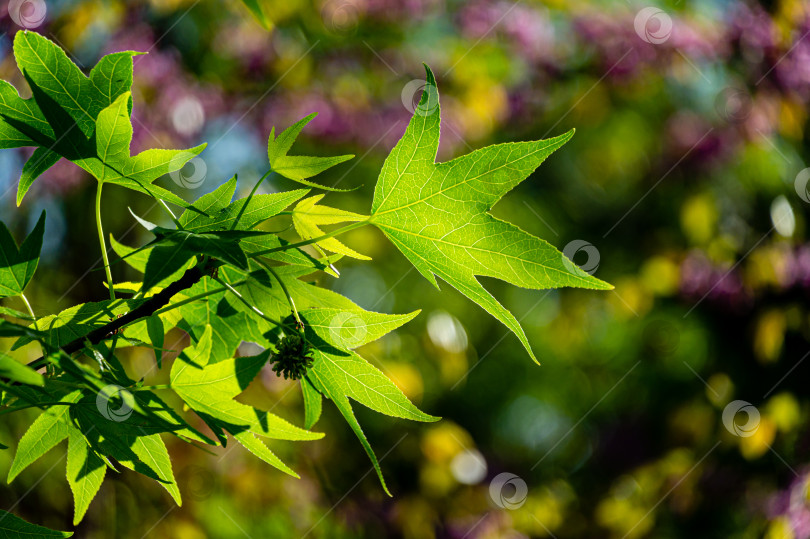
{"points": [[50, 428], [351, 375], [308, 216], [13, 527], [25, 111], [340, 373], [114, 131], [113, 163], [293, 256], [8, 311], [49, 68], [437, 215], [166, 415], [112, 75], [15, 371], [259, 208], [85, 472], [41, 160], [210, 204], [209, 390], [263, 291], [313, 403], [17, 266], [138, 258], [11, 137], [229, 326], [343, 371], [152, 451], [298, 168], [250, 442], [156, 332], [10, 329], [79, 320], [176, 247], [85, 120], [134, 441], [345, 408]]}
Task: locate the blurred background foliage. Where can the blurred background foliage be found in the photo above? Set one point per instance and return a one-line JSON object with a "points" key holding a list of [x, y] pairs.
{"points": [[682, 175]]}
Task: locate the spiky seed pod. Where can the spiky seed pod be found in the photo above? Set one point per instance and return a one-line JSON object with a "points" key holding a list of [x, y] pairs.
{"points": [[292, 358]]}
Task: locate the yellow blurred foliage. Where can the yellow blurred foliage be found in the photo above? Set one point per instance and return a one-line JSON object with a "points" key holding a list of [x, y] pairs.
{"points": [[779, 528], [350, 93], [631, 298], [416, 518], [792, 117], [442, 442], [660, 275], [545, 510], [768, 266], [407, 378], [436, 480], [89, 15], [183, 529], [720, 389], [623, 518], [769, 335], [694, 421], [485, 103], [754, 446], [783, 409], [699, 218], [293, 68]]}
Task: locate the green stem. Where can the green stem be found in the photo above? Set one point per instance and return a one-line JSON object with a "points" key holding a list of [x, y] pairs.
{"points": [[171, 214], [103, 243], [332, 234], [249, 197], [290, 300], [30, 310]]}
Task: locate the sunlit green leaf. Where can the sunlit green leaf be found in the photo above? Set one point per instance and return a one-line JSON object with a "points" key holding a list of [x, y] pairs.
{"points": [[438, 214], [299, 167], [50, 428], [17, 265], [308, 216], [13, 527], [85, 472], [15, 371]]}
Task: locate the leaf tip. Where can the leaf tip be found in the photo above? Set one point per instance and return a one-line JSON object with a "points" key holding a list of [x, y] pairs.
{"points": [[429, 76]]}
